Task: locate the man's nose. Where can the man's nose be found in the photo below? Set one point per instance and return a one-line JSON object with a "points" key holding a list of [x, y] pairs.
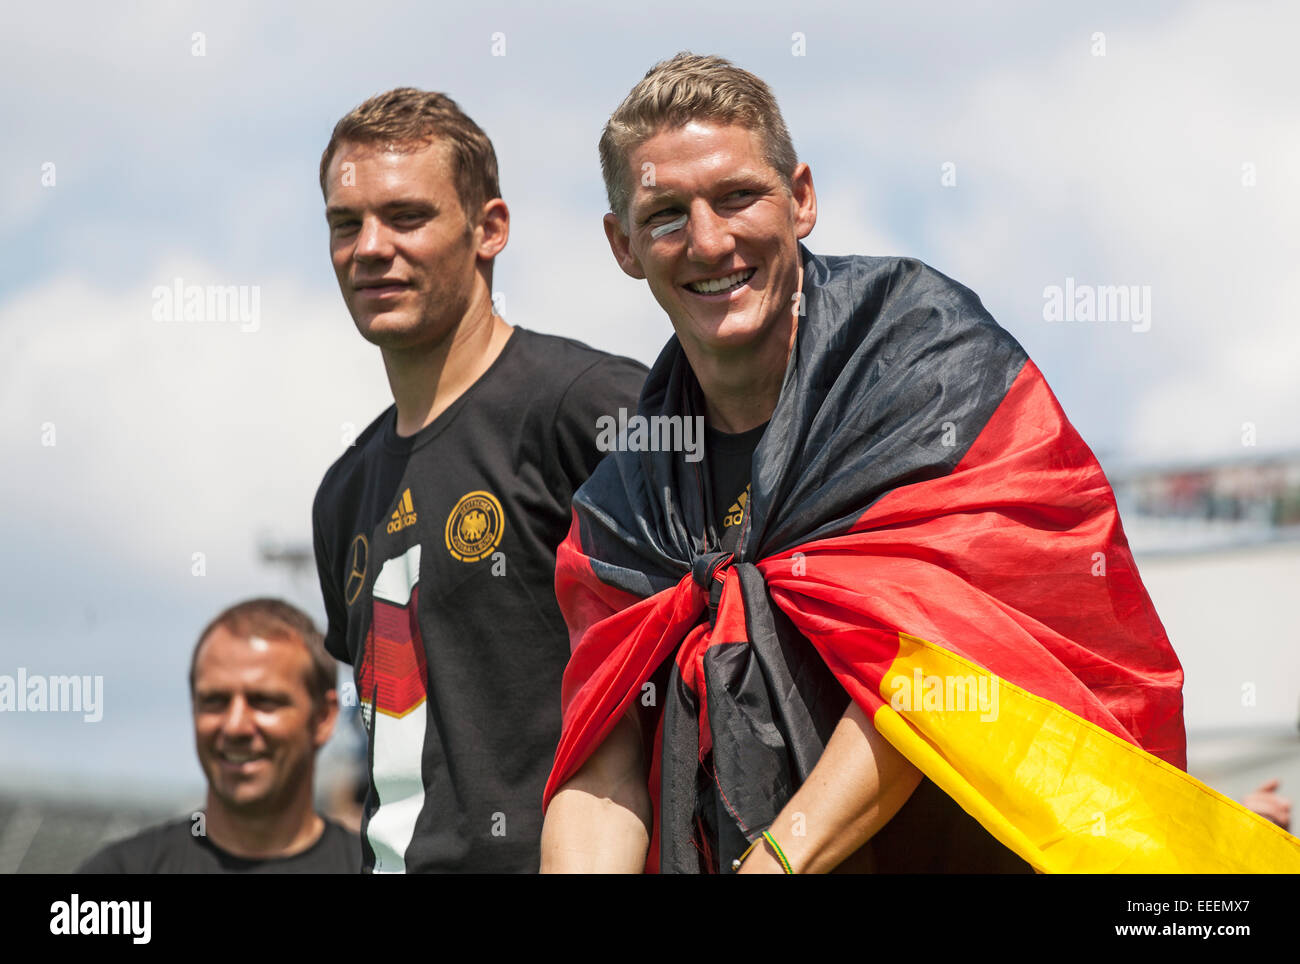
{"points": [[708, 236], [238, 720], [374, 243]]}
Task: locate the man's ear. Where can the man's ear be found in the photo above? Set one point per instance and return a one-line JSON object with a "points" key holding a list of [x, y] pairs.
{"points": [[621, 245], [324, 717], [493, 230], [805, 201]]}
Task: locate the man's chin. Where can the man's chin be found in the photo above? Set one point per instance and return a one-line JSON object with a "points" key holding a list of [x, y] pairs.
{"points": [[724, 333], [397, 333], [382, 329], [246, 800], [238, 793]]}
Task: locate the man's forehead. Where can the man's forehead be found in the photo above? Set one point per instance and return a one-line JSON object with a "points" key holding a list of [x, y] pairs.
{"points": [[225, 655], [435, 148], [695, 154], [389, 167]]}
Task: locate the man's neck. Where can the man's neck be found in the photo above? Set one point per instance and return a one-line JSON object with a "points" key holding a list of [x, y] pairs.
{"points": [[741, 390], [286, 831], [425, 380]]}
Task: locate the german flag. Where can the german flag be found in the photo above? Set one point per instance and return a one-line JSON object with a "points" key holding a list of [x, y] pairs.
{"points": [[927, 534]]}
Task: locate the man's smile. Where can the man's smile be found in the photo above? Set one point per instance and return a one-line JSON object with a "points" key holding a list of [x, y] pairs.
{"points": [[381, 287], [723, 287], [242, 762]]}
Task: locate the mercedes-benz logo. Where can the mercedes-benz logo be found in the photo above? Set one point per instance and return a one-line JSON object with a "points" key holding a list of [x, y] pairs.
{"points": [[359, 552]]}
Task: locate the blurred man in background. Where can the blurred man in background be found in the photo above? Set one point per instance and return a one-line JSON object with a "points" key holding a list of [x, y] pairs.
{"points": [[264, 698]]}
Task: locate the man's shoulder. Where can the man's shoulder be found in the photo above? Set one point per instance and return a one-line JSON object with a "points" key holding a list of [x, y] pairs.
{"points": [[891, 277], [173, 846], [905, 308], [353, 460], [341, 847], [865, 269], [139, 854], [559, 361], [337, 831]]}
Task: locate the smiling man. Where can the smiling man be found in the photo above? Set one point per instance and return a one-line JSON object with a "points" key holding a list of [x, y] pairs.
{"points": [[436, 532], [264, 700], [892, 622]]}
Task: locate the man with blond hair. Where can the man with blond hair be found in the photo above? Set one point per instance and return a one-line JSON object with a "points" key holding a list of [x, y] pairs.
{"points": [[436, 531], [891, 622]]}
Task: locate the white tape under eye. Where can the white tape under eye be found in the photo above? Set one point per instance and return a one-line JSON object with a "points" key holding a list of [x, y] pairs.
{"points": [[668, 228]]}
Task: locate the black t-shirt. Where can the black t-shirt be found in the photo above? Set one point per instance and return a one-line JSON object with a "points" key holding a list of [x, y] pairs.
{"points": [[730, 458], [436, 556], [174, 848]]}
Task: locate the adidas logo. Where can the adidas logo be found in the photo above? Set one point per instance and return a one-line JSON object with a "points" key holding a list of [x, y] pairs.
{"points": [[403, 515], [736, 514]]}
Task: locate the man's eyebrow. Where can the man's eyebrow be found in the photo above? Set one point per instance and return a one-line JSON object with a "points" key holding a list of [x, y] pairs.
{"points": [[269, 694], [655, 197], [277, 694], [743, 178], [723, 185], [417, 204]]}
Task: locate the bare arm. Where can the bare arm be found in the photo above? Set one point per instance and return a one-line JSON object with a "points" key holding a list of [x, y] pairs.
{"points": [[1268, 803], [599, 820], [857, 786]]}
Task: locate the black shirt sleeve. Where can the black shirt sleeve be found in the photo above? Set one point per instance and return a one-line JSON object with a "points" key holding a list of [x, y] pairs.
{"points": [[133, 855], [106, 861], [336, 617], [602, 389]]}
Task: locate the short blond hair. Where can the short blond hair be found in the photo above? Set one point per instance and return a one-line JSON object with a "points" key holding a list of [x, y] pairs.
{"points": [[691, 87], [406, 116]]}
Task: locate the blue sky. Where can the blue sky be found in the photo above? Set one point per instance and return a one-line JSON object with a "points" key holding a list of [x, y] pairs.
{"points": [[1129, 168]]}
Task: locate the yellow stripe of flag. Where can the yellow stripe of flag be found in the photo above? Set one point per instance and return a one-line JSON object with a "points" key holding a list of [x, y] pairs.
{"points": [[1064, 794]]}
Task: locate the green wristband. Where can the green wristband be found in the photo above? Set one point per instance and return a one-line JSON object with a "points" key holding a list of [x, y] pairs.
{"points": [[780, 854]]}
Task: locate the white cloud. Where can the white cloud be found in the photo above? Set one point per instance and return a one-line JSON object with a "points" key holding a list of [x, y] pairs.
{"points": [[178, 437], [1123, 169]]}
